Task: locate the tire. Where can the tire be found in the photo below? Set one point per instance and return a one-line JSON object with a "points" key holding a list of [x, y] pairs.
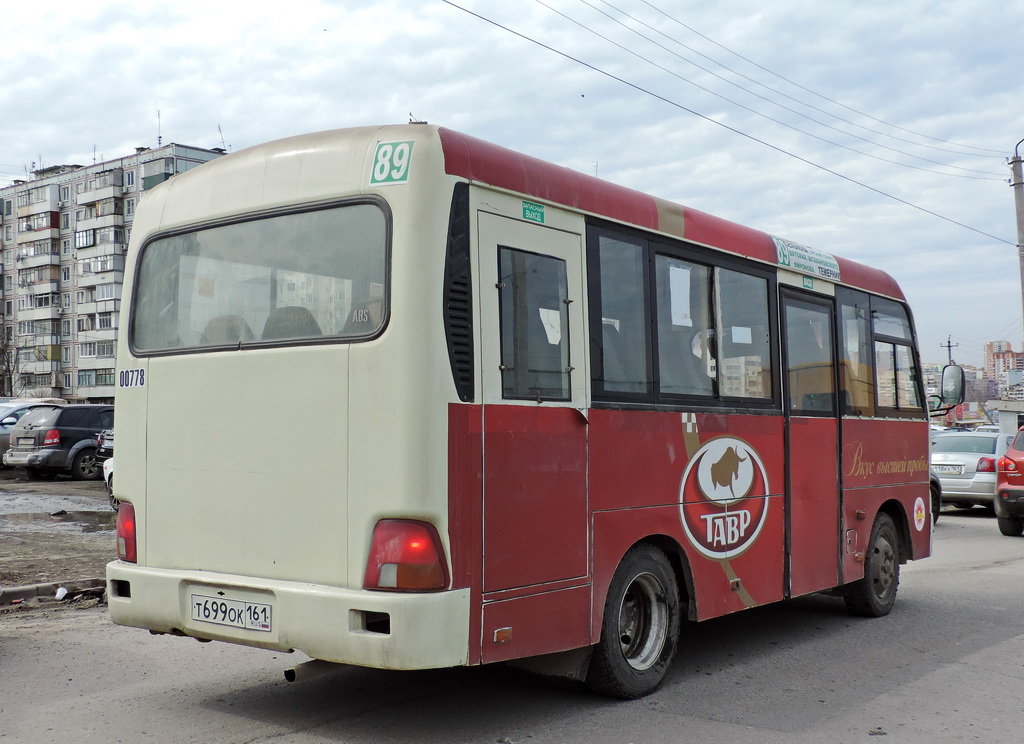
{"points": [[640, 628], [875, 594], [85, 465], [936, 505], [115, 503], [1011, 526]]}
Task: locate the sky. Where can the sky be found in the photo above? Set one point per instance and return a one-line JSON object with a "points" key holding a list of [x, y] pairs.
{"points": [[879, 132]]}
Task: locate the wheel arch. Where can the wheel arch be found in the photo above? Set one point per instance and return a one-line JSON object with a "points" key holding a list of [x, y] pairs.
{"points": [[899, 516], [680, 566]]}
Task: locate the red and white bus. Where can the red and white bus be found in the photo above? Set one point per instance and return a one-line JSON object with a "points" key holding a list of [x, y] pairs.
{"points": [[400, 398]]}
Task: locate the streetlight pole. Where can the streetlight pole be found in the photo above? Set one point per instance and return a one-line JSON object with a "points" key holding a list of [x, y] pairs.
{"points": [[1017, 182]]}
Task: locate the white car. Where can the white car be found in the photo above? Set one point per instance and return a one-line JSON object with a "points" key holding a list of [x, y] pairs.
{"points": [[108, 481]]}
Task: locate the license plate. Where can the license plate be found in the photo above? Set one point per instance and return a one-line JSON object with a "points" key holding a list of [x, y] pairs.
{"points": [[949, 469], [26, 441], [234, 612]]}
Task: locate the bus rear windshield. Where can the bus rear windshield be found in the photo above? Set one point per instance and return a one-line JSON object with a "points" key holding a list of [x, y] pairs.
{"points": [[302, 277]]}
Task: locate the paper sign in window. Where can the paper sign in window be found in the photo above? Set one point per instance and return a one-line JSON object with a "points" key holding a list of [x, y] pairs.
{"points": [[742, 335], [679, 291], [552, 321]]}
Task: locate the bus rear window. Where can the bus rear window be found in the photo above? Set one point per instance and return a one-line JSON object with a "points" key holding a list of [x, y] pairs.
{"points": [[301, 277]]}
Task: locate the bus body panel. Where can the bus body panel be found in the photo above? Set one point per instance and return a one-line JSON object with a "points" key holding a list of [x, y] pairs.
{"points": [[261, 472]]}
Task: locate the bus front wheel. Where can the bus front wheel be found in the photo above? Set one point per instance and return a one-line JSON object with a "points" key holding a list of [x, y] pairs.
{"points": [[874, 595], [640, 627]]}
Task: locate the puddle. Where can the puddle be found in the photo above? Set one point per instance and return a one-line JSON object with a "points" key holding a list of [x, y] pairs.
{"points": [[76, 522], [31, 512]]}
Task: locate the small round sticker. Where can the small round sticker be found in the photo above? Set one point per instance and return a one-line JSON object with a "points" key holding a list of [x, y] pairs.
{"points": [[920, 514]]}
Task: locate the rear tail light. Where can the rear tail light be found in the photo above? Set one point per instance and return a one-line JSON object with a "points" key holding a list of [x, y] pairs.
{"points": [[52, 438], [405, 556], [1006, 465], [126, 546], [986, 464]]}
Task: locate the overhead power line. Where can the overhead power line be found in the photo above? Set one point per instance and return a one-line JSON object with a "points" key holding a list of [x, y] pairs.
{"points": [[987, 176], [980, 150], [741, 133]]}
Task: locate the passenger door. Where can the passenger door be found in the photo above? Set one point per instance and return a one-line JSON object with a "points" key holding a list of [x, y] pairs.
{"points": [[535, 428], [812, 443]]}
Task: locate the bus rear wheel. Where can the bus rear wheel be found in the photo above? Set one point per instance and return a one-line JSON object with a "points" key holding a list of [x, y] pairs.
{"points": [[875, 594], [640, 628]]}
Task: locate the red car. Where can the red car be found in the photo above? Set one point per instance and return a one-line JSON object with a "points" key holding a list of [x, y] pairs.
{"points": [[1009, 501]]}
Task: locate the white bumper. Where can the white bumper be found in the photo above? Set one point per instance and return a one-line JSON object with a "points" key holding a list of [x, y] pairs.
{"points": [[374, 629]]}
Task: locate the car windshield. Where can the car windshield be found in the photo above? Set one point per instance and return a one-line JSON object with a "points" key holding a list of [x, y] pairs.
{"points": [[972, 443]]}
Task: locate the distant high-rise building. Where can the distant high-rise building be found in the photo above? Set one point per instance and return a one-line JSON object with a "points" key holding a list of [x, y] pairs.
{"points": [[63, 236]]}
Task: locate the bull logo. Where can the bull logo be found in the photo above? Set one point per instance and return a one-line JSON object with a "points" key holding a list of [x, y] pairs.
{"points": [[723, 497], [725, 472]]}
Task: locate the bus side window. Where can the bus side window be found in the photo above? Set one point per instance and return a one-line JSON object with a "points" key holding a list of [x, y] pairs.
{"points": [[856, 363], [534, 326]]}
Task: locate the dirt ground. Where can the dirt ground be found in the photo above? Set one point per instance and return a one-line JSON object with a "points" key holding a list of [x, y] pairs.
{"points": [[54, 530]]}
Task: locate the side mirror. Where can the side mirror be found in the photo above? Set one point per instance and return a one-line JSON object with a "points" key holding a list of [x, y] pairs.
{"points": [[953, 384], [9, 421]]}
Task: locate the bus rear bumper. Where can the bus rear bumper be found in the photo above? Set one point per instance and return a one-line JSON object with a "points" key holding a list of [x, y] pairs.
{"points": [[374, 629]]}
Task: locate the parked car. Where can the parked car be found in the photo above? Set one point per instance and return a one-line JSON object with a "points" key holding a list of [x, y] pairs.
{"points": [[105, 445], [108, 481], [965, 462], [52, 439], [1009, 501], [11, 411]]}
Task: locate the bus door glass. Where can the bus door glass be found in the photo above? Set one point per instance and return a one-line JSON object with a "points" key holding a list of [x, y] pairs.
{"points": [[535, 433], [812, 443]]}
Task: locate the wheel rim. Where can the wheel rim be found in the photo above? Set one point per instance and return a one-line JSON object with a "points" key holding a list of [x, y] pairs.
{"points": [[643, 621], [88, 465], [883, 566]]}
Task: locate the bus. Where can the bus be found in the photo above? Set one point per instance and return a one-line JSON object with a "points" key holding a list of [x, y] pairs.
{"points": [[400, 398]]}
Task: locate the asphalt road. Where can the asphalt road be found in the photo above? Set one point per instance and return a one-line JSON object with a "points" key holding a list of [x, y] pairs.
{"points": [[945, 666]]}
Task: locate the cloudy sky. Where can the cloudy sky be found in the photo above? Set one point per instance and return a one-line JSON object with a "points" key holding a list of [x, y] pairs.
{"points": [[876, 131]]}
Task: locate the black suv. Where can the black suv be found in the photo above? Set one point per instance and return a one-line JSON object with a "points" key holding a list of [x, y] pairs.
{"points": [[52, 439]]}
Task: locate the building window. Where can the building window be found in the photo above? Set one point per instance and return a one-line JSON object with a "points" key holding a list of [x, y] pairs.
{"points": [[65, 275], [106, 320], [65, 193], [65, 327], [86, 377], [65, 354], [104, 377], [67, 381], [65, 246], [129, 179]]}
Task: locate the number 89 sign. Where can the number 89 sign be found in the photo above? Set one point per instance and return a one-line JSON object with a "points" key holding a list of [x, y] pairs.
{"points": [[391, 163]]}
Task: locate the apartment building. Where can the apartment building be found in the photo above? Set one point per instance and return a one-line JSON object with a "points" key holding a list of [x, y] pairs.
{"points": [[64, 233]]}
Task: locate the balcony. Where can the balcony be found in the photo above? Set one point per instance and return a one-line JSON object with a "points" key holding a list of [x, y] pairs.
{"points": [[95, 362], [92, 278], [100, 249], [95, 223], [39, 313], [111, 191], [94, 393], [39, 367], [40, 259], [49, 286]]}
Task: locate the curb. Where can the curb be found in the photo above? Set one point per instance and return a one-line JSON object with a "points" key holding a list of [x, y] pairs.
{"points": [[12, 594]]}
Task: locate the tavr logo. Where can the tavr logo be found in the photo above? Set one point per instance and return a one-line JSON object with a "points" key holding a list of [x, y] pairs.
{"points": [[723, 497]]}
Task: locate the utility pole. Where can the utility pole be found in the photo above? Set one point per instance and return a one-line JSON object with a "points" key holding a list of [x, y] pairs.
{"points": [[1017, 182], [949, 346]]}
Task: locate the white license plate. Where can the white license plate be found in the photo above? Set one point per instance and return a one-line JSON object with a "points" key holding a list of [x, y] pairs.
{"points": [[234, 612], [26, 442], [949, 469]]}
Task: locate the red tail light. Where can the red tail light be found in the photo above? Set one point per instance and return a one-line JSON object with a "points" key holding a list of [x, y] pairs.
{"points": [[405, 556], [1007, 465], [52, 438], [126, 549], [986, 465]]}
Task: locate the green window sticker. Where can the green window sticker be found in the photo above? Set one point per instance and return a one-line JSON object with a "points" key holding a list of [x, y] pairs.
{"points": [[391, 163]]}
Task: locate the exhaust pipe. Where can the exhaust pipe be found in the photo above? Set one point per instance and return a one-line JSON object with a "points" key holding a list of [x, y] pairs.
{"points": [[309, 670]]}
